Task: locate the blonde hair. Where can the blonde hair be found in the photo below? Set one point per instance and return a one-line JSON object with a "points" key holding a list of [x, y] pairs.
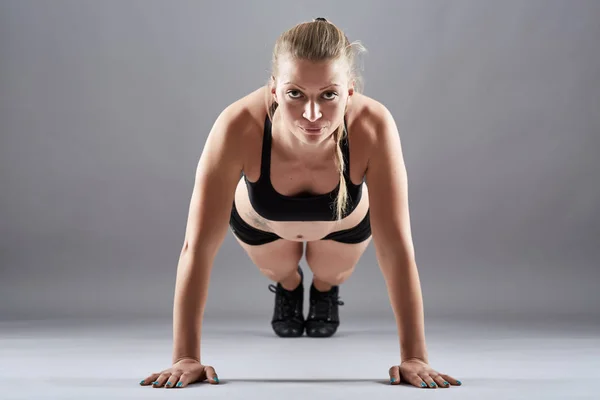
{"points": [[318, 41]]}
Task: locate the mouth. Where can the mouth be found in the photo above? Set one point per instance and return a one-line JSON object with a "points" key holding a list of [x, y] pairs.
{"points": [[312, 130]]}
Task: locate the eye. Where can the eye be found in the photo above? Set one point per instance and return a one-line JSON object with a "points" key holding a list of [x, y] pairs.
{"points": [[293, 91], [296, 94]]}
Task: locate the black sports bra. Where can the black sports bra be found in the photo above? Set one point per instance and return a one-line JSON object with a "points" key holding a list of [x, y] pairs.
{"points": [[302, 207]]}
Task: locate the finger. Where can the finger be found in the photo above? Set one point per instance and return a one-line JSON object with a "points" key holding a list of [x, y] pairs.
{"points": [[161, 380], [451, 380], [394, 373], [428, 380], [173, 380], [441, 382], [185, 379], [415, 380], [149, 379], [211, 375]]}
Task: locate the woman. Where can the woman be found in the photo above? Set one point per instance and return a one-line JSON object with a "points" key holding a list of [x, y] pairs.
{"points": [[301, 181]]}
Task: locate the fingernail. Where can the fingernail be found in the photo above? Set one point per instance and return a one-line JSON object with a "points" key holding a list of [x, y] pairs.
{"points": [[180, 384], [142, 382], [393, 380], [216, 379], [423, 384], [446, 383], [155, 382], [432, 384], [458, 382], [168, 383]]}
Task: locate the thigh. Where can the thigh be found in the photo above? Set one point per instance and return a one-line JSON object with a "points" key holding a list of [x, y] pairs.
{"points": [[275, 259], [334, 261]]}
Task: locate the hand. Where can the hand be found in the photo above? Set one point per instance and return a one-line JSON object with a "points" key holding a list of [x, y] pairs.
{"points": [[181, 374], [418, 373]]}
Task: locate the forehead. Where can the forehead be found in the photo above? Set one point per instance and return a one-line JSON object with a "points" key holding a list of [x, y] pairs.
{"points": [[312, 74]]}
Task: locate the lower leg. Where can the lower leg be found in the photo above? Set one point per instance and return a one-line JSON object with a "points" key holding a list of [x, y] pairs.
{"points": [[324, 284], [320, 285], [291, 281]]}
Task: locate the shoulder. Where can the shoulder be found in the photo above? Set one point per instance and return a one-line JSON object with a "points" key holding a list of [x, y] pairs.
{"points": [[371, 120], [237, 125], [236, 133], [245, 117]]}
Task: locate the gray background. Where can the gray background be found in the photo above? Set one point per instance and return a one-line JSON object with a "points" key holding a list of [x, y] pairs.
{"points": [[105, 107]]}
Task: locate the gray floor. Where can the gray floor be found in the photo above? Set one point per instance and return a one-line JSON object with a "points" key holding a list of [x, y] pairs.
{"points": [[62, 359]]}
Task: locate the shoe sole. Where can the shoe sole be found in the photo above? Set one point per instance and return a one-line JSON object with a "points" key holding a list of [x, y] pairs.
{"points": [[289, 335], [309, 326]]}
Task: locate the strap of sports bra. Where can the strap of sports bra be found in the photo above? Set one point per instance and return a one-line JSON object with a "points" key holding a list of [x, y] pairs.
{"points": [[265, 161]]}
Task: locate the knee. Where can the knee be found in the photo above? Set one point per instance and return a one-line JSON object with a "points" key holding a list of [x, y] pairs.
{"points": [[278, 274], [333, 276]]}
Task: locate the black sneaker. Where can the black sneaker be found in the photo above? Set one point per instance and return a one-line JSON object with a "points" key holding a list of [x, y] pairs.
{"points": [[288, 318], [323, 317]]}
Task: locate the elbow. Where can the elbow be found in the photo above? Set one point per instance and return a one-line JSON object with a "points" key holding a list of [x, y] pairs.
{"points": [[394, 247], [204, 248], [189, 247]]}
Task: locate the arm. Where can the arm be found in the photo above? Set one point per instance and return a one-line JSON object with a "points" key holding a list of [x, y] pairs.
{"points": [[390, 224], [217, 175]]}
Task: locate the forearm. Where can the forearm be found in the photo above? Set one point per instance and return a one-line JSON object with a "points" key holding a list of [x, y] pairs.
{"points": [[191, 292], [404, 288]]}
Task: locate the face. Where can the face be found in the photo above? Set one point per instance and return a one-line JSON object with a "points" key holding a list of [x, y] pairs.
{"points": [[311, 97]]}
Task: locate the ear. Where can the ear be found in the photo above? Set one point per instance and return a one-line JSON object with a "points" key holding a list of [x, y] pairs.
{"points": [[351, 88], [273, 88]]}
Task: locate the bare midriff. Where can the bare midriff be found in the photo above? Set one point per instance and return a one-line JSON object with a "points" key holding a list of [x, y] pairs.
{"points": [[301, 231]]}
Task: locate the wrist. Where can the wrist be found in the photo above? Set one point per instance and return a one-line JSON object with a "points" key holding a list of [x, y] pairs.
{"points": [[414, 350], [191, 358]]}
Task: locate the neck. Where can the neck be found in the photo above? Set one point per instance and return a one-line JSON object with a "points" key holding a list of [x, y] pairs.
{"points": [[299, 150]]}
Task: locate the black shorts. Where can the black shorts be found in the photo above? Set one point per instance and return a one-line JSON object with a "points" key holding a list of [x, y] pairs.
{"points": [[255, 237]]}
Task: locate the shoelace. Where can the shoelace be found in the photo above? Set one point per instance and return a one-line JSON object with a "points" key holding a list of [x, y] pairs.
{"points": [[284, 301], [322, 304]]}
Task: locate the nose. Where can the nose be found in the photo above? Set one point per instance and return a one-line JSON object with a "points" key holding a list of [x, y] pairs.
{"points": [[312, 112]]}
